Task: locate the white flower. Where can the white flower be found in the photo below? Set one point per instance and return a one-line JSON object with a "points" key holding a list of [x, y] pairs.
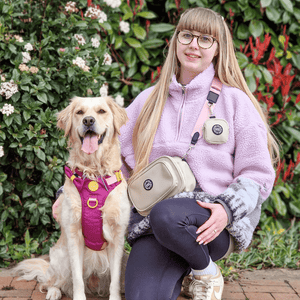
{"points": [[95, 42], [119, 100], [104, 90], [71, 7], [124, 26], [103, 17], [19, 38], [8, 89], [1, 151], [3, 78], [107, 59], [28, 47], [79, 62], [7, 109], [113, 3], [80, 39], [26, 57]]}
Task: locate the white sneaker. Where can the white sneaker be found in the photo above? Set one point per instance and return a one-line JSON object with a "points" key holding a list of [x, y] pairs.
{"points": [[207, 287]]}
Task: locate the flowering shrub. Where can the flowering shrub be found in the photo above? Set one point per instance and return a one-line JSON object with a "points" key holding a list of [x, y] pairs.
{"points": [[53, 50]]}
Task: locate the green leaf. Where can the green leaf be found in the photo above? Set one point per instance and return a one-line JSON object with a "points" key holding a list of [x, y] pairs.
{"points": [[296, 60], [12, 48], [118, 42], [295, 207], [256, 28], [142, 54], [81, 24], [39, 153], [153, 43], [71, 72], [127, 16], [146, 14], [293, 132], [265, 3], [243, 32], [242, 60], [287, 5], [133, 42], [42, 97], [251, 83], [267, 75], [279, 204], [161, 27], [139, 32], [3, 177], [272, 13], [130, 58]]}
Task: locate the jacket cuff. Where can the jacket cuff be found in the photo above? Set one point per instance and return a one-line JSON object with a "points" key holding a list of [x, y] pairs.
{"points": [[228, 211]]}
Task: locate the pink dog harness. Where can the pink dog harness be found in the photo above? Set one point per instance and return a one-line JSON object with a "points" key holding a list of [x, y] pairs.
{"points": [[93, 195]]}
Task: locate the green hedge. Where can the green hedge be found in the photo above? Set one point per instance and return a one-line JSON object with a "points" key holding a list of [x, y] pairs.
{"points": [[53, 50]]}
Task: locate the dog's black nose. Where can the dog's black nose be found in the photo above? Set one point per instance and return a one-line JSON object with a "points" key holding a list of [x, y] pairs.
{"points": [[88, 121]]}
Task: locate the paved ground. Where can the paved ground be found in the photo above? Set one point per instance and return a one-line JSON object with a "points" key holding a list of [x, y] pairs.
{"points": [[278, 284]]}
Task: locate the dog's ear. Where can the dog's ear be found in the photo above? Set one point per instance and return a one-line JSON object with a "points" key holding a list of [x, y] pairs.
{"points": [[119, 113], [64, 117]]}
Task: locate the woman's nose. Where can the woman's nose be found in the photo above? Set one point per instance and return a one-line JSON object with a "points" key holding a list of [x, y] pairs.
{"points": [[194, 42]]}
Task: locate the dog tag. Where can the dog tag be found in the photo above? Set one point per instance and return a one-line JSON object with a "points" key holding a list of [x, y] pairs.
{"points": [[93, 186]]}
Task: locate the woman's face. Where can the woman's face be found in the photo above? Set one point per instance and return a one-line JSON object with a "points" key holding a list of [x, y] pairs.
{"points": [[194, 59]]}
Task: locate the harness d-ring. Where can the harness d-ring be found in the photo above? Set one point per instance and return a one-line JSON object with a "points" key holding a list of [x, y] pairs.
{"points": [[92, 199]]}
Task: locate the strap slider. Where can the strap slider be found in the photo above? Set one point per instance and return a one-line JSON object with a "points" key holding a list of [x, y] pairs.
{"points": [[212, 97]]}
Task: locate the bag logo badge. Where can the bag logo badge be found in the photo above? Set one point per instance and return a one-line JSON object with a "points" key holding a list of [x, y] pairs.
{"points": [[148, 184], [217, 129]]}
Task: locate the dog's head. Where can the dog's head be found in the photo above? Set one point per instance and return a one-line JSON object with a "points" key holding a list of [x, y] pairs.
{"points": [[90, 121]]}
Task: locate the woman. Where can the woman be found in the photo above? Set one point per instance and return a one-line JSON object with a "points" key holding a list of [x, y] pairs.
{"points": [[189, 232]]}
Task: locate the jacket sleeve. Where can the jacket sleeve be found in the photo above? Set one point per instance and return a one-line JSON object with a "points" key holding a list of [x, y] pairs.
{"points": [[253, 173]]}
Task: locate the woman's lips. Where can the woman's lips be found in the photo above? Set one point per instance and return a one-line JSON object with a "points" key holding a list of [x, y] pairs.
{"points": [[191, 55]]}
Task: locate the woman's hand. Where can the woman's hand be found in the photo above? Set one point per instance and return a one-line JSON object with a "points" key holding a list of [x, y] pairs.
{"points": [[214, 225]]}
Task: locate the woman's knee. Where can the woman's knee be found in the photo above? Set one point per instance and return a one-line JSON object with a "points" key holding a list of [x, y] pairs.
{"points": [[163, 216]]}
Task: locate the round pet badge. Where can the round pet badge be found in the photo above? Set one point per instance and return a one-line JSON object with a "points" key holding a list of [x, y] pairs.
{"points": [[217, 129], [148, 184], [93, 186]]}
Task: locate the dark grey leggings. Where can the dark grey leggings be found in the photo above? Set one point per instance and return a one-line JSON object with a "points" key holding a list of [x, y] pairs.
{"points": [[158, 262]]}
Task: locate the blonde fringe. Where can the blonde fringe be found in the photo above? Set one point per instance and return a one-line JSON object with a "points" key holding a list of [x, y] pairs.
{"points": [[226, 68]]}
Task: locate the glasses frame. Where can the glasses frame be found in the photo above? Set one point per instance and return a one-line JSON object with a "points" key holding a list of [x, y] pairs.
{"points": [[197, 36]]}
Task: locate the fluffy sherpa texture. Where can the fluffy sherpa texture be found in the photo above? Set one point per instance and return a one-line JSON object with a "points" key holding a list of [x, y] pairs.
{"points": [[244, 158]]}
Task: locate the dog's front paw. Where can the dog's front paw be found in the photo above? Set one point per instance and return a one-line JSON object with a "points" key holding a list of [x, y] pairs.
{"points": [[115, 297], [53, 294], [79, 296]]}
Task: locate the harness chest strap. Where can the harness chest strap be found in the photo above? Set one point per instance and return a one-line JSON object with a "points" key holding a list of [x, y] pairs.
{"points": [[93, 194]]}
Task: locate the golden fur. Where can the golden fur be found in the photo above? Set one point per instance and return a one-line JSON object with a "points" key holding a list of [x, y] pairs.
{"points": [[75, 269]]}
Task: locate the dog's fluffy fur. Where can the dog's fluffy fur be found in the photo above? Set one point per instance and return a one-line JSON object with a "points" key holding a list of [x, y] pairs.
{"points": [[73, 268]]}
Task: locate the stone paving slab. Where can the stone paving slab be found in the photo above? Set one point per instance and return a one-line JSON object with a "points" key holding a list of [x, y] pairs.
{"points": [[276, 284]]}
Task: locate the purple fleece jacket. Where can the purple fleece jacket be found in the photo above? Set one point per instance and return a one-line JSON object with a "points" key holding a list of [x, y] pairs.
{"points": [[238, 174], [214, 166]]}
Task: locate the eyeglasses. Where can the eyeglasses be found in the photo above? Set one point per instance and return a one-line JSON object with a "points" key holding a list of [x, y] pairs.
{"points": [[205, 41]]}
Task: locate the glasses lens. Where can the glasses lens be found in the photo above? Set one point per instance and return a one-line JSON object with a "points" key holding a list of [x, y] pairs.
{"points": [[185, 37], [205, 41]]}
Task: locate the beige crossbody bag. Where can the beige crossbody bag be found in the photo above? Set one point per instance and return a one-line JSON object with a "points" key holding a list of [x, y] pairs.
{"points": [[167, 176]]}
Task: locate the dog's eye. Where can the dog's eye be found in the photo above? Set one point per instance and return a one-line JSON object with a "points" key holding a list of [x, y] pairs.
{"points": [[80, 112], [101, 111]]}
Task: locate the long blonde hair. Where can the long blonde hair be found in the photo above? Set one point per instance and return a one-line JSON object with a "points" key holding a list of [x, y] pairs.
{"points": [[226, 69]]}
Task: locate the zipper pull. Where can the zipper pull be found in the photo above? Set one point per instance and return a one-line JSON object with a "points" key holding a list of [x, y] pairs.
{"points": [[183, 90]]}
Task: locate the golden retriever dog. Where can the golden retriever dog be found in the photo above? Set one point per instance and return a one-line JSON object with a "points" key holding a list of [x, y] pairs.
{"points": [[92, 126]]}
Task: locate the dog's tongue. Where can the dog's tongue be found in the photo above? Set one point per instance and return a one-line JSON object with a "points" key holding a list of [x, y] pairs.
{"points": [[90, 144]]}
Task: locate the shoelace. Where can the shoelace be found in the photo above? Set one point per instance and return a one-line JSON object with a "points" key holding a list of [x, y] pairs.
{"points": [[201, 290]]}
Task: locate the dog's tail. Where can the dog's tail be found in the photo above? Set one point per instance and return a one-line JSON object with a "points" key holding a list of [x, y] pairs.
{"points": [[32, 269]]}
